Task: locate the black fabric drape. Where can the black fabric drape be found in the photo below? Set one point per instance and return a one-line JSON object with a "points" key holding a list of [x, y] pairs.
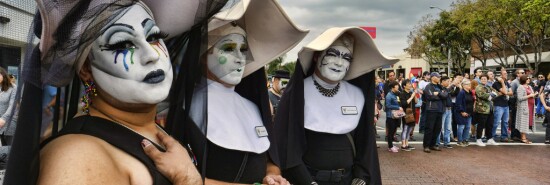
{"points": [[23, 163], [254, 88], [185, 52], [289, 128], [367, 165]]}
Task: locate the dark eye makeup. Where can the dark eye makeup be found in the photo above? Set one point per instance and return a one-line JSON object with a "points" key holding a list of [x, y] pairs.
{"points": [[118, 45], [156, 36]]}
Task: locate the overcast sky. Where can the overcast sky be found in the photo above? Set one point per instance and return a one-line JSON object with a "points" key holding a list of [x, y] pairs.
{"points": [[393, 19]]}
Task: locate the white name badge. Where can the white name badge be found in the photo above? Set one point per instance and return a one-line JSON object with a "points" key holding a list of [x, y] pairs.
{"points": [[261, 131], [349, 110]]}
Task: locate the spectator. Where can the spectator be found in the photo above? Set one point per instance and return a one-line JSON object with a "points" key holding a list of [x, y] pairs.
{"points": [[539, 84], [387, 89], [524, 94], [279, 81], [417, 109], [13, 80], [500, 102], [392, 103], [546, 118], [422, 84], [7, 99], [467, 76], [513, 108], [48, 103], [545, 100], [434, 95], [491, 78], [408, 101], [447, 115], [464, 110], [391, 78], [474, 124], [483, 111], [531, 103], [454, 89], [477, 72]]}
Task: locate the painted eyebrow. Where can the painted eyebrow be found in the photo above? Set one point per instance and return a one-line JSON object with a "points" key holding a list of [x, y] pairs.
{"points": [[226, 40], [334, 51], [348, 55], [118, 27], [147, 25]]}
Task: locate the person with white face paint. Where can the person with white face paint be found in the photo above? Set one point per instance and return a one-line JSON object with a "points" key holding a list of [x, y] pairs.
{"points": [[324, 119], [237, 123], [118, 52], [279, 82]]}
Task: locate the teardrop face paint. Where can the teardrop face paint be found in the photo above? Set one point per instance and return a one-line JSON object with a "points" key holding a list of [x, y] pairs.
{"points": [[130, 61], [228, 59]]}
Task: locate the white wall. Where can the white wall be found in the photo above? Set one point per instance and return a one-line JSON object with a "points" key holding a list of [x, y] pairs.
{"points": [[490, 62], [20, 13]]}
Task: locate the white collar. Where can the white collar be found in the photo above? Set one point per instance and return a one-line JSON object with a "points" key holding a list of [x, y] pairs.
{"points": [[332, 114], [233, 120]]}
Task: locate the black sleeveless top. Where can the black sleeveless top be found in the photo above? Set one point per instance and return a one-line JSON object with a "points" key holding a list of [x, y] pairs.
{"points": [[116, 135], [227, 165]]}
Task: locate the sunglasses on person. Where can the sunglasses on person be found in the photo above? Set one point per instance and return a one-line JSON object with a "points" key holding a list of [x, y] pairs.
{"points": [[541, 76]]}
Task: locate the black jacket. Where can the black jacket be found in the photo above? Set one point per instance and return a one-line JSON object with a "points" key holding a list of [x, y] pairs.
{"points": [[448, 101], [435, 103]]}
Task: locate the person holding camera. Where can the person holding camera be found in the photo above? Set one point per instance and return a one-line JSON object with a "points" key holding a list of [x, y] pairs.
{"points": [[500, 103]]}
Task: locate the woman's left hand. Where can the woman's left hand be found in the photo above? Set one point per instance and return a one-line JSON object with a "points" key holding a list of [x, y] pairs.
{"points": [[2, 122], [275, 180]]}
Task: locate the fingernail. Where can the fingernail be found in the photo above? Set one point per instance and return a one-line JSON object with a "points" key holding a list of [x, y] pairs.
{"points": [[145, 143]]}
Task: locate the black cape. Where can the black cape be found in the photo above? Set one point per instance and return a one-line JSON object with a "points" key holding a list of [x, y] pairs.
{"points": [[289, 127]]}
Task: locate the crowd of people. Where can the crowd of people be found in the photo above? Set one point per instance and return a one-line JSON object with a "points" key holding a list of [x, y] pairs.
{"points": [[463, 109]]}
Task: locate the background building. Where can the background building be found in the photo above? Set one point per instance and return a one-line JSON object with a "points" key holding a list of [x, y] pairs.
{"points": [[407, 65], [15, 20]]}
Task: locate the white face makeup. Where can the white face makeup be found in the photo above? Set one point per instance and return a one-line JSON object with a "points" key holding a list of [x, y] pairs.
{"points": [[130, 61], [334, 63], [228, 59]]}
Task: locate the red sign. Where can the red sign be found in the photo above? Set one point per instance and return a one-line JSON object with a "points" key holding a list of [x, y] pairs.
{"points": [[370, 30]]}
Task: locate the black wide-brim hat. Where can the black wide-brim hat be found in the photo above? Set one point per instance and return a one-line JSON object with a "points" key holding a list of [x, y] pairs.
{"points": [[282, 74]]}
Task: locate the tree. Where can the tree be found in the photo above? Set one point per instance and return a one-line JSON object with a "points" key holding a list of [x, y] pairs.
{"points": [[499, 28], [419, 46], [274, 65], [277, 64]]}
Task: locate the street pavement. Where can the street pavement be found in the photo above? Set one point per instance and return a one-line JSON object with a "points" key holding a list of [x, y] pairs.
{"points": [[508, 163]]}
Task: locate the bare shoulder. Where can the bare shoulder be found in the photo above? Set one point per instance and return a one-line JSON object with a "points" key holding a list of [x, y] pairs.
{"points": [[78, 159]]}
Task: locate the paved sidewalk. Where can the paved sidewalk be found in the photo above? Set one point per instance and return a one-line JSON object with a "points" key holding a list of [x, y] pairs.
{"points": [[469, 165], [508, 163]]}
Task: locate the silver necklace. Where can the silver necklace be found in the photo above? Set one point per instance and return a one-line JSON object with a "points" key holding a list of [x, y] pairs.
{"points": [[326, 92]]}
